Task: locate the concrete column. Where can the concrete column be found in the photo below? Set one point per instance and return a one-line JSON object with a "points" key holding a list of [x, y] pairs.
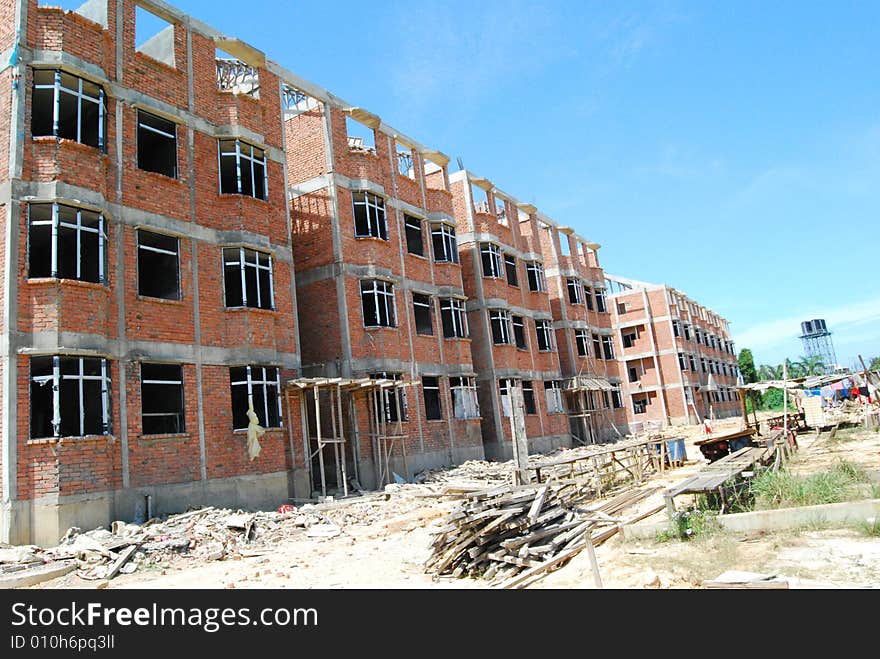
{"points": [[9, 524], [484, 318], [661, 391], [341, 306], [401, 237]]}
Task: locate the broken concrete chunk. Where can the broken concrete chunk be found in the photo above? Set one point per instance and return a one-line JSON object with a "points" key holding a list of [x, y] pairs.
{"points": [[323, 531], [239, 521], [23, 554]]}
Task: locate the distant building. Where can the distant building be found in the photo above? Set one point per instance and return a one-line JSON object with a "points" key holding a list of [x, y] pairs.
{"points": [[677, 361]]}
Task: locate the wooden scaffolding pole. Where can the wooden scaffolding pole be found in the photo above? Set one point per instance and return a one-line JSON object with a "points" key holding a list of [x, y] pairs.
{"points": [[320, 441], [342, 438]]}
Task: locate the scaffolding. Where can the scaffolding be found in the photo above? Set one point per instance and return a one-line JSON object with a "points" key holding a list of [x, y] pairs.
{"points": [[583, 414], [338, 400]]}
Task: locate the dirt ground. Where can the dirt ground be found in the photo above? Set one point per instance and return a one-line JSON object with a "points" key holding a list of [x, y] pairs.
{"points": [[384, 542]]}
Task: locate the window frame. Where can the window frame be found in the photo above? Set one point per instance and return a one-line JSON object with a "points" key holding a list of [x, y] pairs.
{"points": [[607, 347], [575, 290], [530, 404], [243, 264], [521, 333], [181, 415], [411, 223], [601, 302], [643, 402], [396, 410], [427, 303], [376, 221], [176, 166], [553, 392], [466, 386], [457, 316], [502, 318], [588, 297], [56, 224], [239, 155], [250, 381], [544, 327], [510, 268], [159, 250], [385, 294], [57, 89], [582, 337], [491, 253], [439, 393], [56, 378], [448, 241], [535, 271]]}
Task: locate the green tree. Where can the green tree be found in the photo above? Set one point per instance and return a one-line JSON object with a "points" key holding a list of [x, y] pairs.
{"points": [[874, 364], [772, 399], [747, 366], [814, 365]]}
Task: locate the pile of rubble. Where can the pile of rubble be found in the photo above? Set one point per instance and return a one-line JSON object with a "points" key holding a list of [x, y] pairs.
{"points": [[205, 534], [478, 472]]}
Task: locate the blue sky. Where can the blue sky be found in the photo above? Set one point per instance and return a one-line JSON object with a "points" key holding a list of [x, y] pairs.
{"points": [[729, 149]]}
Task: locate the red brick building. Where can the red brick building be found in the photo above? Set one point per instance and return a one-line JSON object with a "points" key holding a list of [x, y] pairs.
{"points": [[585, 334], [523, 329], [676, 357], [379, 284], [148, 290]]}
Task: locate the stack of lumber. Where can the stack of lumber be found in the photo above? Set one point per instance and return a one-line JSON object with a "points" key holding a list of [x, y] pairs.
{"points": [[513, 535]]}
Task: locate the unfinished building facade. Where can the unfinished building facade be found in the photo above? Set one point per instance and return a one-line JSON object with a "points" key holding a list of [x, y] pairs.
{"points": [[511, 265], [380, 290], [148, 292], [677, 356], [582, 319]]}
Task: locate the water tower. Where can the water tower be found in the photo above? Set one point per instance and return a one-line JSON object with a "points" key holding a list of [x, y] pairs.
{"points": [[817, 341]]}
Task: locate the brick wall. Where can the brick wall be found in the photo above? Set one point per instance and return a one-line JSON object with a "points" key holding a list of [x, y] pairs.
{"points": [[94, 464]]}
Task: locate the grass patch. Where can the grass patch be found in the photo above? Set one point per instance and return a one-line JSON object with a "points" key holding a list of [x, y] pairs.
{"points": [[689, 524], [782, 489], [870, 527]]}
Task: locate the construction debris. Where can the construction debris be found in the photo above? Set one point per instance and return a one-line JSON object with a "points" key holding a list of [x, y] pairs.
{"points": [[207, 533], [513, 535], [201, 535]]}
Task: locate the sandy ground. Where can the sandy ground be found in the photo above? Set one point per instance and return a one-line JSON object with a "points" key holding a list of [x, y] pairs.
{"points": [[388, 551]]}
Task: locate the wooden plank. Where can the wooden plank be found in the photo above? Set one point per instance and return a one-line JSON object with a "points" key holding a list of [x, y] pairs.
{"points": [[37, 575], [543, 567], [536, 506], [124, 555]]}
